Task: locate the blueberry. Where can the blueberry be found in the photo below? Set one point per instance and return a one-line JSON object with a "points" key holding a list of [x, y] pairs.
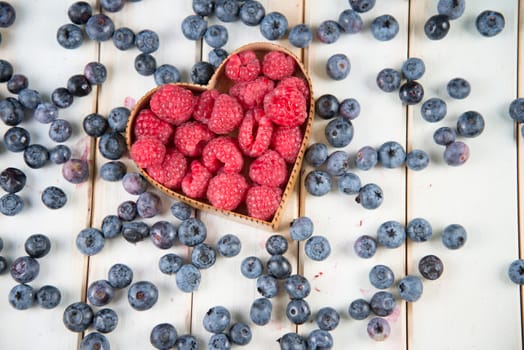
{"points": [[45, 113], [105, 320], [229, 246], [78, 85], [60, 130], [135, 231], [11, 204], [370, 196], [78, 317], [260, 311], [90, 241], [490, 23], [430, 267], [339, 132], [276, 244], [516, 271], [470, 124], [292, 341], [391, 154], [365, 246], [251, 13], [349, 109], [384, 27], [75, 170], [410, 288], [300, 35], [279, 267], [516, 110], [17, 83], [317, 182], [320, 339], [134, 183], [267, 286], [112, 146], [378, 329], [456, 153], [194, 27], [298, 311], [359, 309], [170, 263], [419, 230], [123, 38], [192, 232], [12, 180], [186, 342], [458, 88], [99, 27], [48, 297], [388, 80], [79, 12], [382, 303], [7, 14], [273, 26], [227, 10], [338, 66], [219, 341], [381, 277], [337, 163], [95, 72], [391, 234], [216, 319], [301, 228], [327, 318], [366, 158], [148, 205], [94, 340], [3, 264], [316, 154], [37, 245], [349, 183], [163, 336], [142, 295], [29, 98], [326, 106], [6, 71], [112, 5], [166, 74], [16, 139], [451, 8], [437, 27], [61, 97], [433, 110], [179, 210], [216, 35], [70, 36], [328, 31], [147, 41], [417, 160], [454, 236], [163, 234], [240, 333], [127, 211], [317, 248], [188, 278], [117, 119], [36, 156], [145, 64], [21, 296], [217, 56], [350, 21], [24, 269], [201, 72], [203, 256], [362, 6], [413, 68], [120, 276], [100, 293], [411, 93], [11, 111], [203, 7], [297, 286], [251, 267], [113, 171], [53, 197]]}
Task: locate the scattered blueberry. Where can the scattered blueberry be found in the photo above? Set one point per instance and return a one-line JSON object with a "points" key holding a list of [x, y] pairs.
{"points": [[251, 13], [337, 163], [148, 204], [490, 23], [417, 160], [134, 183], [70, 36], [317, 182], [37, 245], [105, 320], [229, 246], [100, 293], [94, 340], [99, 27], [297, 286], [320, 339], [112, 5], [53, 197], [24, 269], [276, 244], [316, 154], [451, 8], [298, 311], [260, 311], [7, 14], [391, 154], [61, 97], [48, 297], [11, 204], [433, 110], [135, 231], [217, 56], [11, 111], [300, 35], [350, 21], [349, 183], [21, 296], [127, 211], [413, 68], [454, 236], [456, 153], [339, 132], [378, 329], [216, 36], [273, 26], [203, 7], [90, 241], [123, 38], [120, 276], [349, 108], [75, 170], [458, 88], [359, 309], [79, 12], [201, 72], [411, 93], [326, 106], [16, 139], [60, 130], [430, 267], [112, 145], [12, 180], [391, 234], [419, 230], [219, 341], [338, 66], [147, 41], [279, 267], [292, 341], [113, 170], [410, 288], [470, 124], [166, 74], [384, 27], [29, 98], [381, 277], [142, 295], [170, 263], [251, 267], [328, 31], [145, 64], [267, 286], [370, 196], [45, 113], [516, 110], [186, 342], [163, 336], [192, 232], [216, 319], [78, 85], [516, 271], [17, 83], [203, 256], [362, 6], [188, 278], [437, 27], [366, 158], [317, 248], [327, 318], [227, 10], [382, 303], [78, 317], [163, 234], [240, 333], [365, 246], [6, 71], [388, 80]]}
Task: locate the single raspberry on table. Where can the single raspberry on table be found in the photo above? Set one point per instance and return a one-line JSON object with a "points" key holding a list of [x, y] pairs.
{"points": [[222, 153], [171, 171], [172, 103], [254, 136], [204, 105], [286, 106], [227, 190], [263, 201], [148, 125], [277, 65], [269, 169], [243, 66], [297, 83], [251, 94], [287, 141], [227, 114], [191, 137], [194, 183], [148, 152]]}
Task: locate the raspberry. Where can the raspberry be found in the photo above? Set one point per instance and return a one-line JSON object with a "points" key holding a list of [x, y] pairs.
{"points": [[254, 136], [172, 103], [227, 114], [263, 201], [286, 106], [191, 137], [243, 66], [227, 190], [148, 152], [194, 183], [223, 154], [251, 94], [269, 169], [204, 106], [171, 171], [287, 141], [148, 125], [278, 65], [297, 83]]}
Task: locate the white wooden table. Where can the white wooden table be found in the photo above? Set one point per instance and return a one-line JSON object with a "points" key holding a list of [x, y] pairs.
{"points": [[472, 306]]}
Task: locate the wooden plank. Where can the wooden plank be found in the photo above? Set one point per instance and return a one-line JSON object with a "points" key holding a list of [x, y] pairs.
{"points": [[474, 283]]}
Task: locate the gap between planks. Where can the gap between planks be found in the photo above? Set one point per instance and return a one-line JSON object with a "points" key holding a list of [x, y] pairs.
{"points": [[519, 173]]}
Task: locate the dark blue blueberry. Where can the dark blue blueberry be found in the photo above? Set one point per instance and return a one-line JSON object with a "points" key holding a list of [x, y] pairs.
{"points": [[75, 170], [29, 98], [163, 234], [437, 27], [413, 68], [320, 339], [94, 125], [382, 303], [458, 88], [384, 27], [430, 267], [444, 136], [267, 286], [359, 309], [24, 269], [391, 155], [186, 342], [388, 80], [240, 333], [134, 183], [366, 158], [145, 64], [229, 245], [454, 236], [327, 318], [112, 5], [6, 71], [433, 110], [410, 288], [70, 36], [339, 132], [362, 5], [298, 311], [297, 287], [451, 8], [201, 72], [113, 170], [419, 230], [292, 341], [188, 278], [260, 311], [317, 248], [194, 27], [301, 228], [365, 246], [381, 277], [326, 106], [350, 21], [273, 26], [112, 145], [192, 232], [100, 27], [203, 7], [337, 163], [135, 231], [317, 183], [12, 180], [21, 296], [7, 14], [300, 35], [203, 256], [36, 156], [11, 204], [48, 297], [37, 245], [370, 196], [328, 31], [470, 124], [78, 85], [163, 336], [316, 154], [45, 113], [216, 36], [490, 23], [100, 293], [111, 226], [217, 56], [78, 316], [417, 160], [378, 329], [11, 111], [391, 234], [456, 153], [120, 276], [179, 210], [142, 295], [166, 74], [105, 320], [516, 271], [123, 38], [95, 72], [148, 205], [251, 267], [276, 244], [94, 340], [170, 263], [349, 108], [3, 265], [62, 98], [338, 66], [411, 93], [227, 10], [516, 110], [17, 83], [79, 12], [16, 139], [117, 119], [279, 267], [126, 211], [219, 341], [147, 41], [90, 241], [251, 13], [216, 319]]}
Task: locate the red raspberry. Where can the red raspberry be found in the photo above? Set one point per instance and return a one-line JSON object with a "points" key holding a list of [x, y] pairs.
{"points": [[286, 106], [278, 65], [148, 152], [287, 141], [194, 184], [191, 137], [171, 171], [227, 190], [204, 106], [263, 201], [148, 125], [243, 66], [269, 169], [227, 114], [254, 136], [298, 83], [172, 103], [223, 154], [251, 94]]}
